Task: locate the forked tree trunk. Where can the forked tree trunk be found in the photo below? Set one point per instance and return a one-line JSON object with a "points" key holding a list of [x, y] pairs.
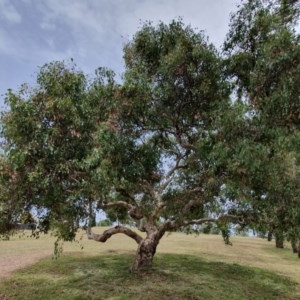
{"points": [[146, 246], [145, 253]]}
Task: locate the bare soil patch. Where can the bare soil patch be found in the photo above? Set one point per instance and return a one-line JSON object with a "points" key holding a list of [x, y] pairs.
{"points": [[20, 252], [11, 263]]}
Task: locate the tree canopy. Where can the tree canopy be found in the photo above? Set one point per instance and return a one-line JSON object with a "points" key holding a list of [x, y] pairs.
{"points": [[189, 137], [263, 61]]}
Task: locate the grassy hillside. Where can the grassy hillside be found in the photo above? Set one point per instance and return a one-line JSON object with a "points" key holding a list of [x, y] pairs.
{"points": [[185, 267]]}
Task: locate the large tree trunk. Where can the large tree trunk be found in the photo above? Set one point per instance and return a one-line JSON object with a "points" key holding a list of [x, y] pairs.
{"points": [[146, 246], [145, 252]]}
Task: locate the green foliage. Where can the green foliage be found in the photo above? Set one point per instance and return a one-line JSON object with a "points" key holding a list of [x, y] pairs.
{"points": [[264, 57], [48, 135], [105, 223], [172, 79], [187, 138], [262, 50]]}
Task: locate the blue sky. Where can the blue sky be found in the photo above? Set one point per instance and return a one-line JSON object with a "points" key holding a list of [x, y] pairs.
{"points": [[92, 32]]}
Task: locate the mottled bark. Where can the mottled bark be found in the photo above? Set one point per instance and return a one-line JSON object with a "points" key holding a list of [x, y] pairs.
{"points": [[144, 254], [146, 246], [103, 237]]}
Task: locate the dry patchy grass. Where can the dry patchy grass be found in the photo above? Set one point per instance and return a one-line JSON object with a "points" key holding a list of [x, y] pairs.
{"points": [[252, 252], [175, 276], [247, 251], [185, 267]]}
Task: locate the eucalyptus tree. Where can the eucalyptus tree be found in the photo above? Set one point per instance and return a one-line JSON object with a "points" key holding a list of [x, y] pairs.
{"points": [[141, 151], [263, 53], [165, 149], [47, 133], [158, 166]]}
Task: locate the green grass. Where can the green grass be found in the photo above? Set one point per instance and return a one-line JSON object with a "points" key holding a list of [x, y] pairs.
{"points": [[185, 267], [173, 276]]}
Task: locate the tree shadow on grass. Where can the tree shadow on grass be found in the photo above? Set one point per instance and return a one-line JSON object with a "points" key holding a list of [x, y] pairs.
{"points": [[171, 277]]}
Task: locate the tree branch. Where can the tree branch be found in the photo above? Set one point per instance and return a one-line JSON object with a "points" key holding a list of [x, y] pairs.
{"points": [[103, 237], [169, 176], [226, 217], [125, 194], [176, 223], [134, 211], [187, 146], [194, 198], [156, 195], [116, 204]]}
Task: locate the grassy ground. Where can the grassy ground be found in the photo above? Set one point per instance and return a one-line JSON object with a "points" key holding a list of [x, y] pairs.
{"points": [[185, 267]]}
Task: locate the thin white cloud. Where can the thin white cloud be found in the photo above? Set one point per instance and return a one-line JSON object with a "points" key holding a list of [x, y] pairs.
{"points": [[9, 12], [4, 48], [92, 32], [98, 29], [7, 44], [46, 25], [80, 16]]}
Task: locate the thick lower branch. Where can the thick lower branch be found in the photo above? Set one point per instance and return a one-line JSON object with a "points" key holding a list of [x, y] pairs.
{"points": [[103, 237]]}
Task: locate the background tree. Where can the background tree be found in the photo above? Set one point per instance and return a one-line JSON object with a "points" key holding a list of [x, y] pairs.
{"points": [[263, 61]]}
